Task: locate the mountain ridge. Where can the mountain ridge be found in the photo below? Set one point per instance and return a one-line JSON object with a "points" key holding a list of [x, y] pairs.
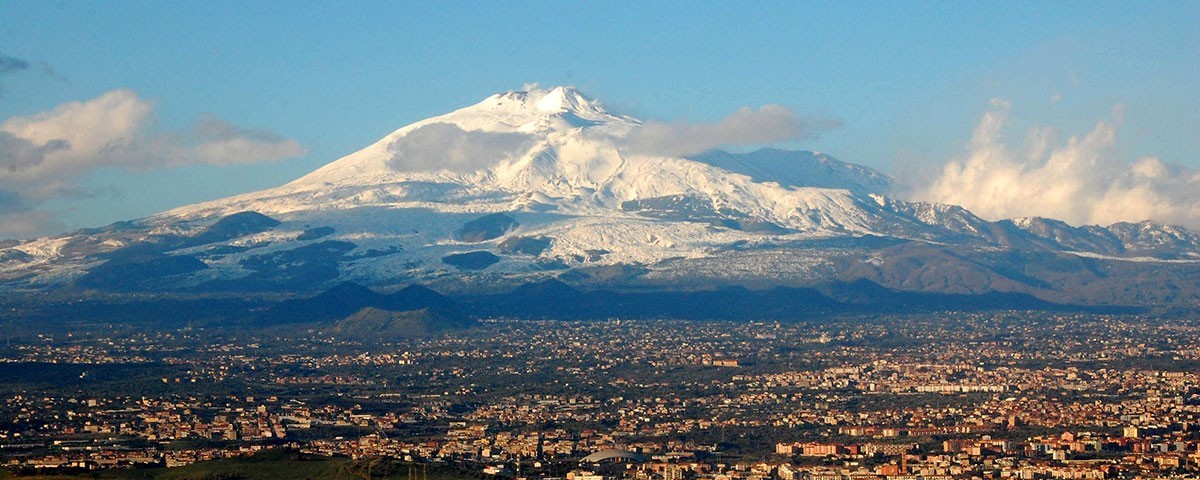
{"points": [[538, 184]]}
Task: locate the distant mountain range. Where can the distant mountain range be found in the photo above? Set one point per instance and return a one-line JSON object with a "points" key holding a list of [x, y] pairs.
{"points": [[539, 186]]}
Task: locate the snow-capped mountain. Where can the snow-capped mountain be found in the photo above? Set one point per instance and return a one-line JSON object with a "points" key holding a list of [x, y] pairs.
{"points": [[557, 151], [542, 183]]}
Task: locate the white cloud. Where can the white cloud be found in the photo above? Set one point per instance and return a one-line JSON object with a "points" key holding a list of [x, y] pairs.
{"points": [[769, 124], [1083, 180], [116, 130], [42, 155], [83, 132], [446, 146]]}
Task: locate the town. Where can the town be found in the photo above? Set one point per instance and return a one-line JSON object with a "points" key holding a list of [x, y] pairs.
{"points": [[1010, 394]]}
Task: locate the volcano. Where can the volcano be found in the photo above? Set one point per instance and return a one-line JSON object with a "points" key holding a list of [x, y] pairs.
{"points": [[526, 186]]}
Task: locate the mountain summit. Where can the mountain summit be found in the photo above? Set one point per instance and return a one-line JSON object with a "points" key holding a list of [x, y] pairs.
{"points": [[495, 130], [528, 185]]}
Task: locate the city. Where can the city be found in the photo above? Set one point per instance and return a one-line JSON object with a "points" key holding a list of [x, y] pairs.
{"points": [[1013, 394], [567, 240]]}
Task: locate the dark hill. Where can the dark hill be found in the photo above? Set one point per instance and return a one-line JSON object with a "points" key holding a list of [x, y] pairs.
{"points": [[558, 300], [471, 260], [859, 292], [414, 297], [234, 226], [373, 324], [347, 298], [486, 228], [142, 271]]}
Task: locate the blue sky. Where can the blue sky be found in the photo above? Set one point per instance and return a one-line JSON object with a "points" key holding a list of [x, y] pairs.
{"points": [[909, 82]]}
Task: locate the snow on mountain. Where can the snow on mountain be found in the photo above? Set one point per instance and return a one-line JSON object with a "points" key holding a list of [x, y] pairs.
{"points": [[556, 150], [801, 169], [544, 182]]}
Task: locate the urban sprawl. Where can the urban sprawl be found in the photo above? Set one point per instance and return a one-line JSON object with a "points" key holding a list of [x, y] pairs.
{"points": [[943, 395]]}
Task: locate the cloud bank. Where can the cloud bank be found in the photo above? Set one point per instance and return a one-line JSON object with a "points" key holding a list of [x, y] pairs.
{"points": [[769, 124], [1083, 180], [440, 146], [43, 155]]}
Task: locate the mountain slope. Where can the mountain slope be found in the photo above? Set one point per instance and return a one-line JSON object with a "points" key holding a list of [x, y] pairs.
{"points": [[542, 184]]}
